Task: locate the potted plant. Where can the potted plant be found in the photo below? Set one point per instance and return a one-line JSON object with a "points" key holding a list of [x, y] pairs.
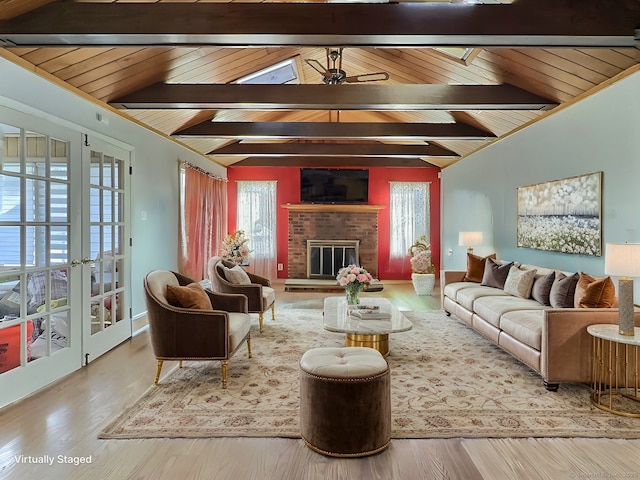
{"points": [[423, 276]]}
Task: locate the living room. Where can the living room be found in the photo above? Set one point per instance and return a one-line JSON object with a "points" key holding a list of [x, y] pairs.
{"points": [[594, 133]]}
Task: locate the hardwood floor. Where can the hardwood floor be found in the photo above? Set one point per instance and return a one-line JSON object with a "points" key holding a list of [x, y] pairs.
{"points": [[65, 419]]}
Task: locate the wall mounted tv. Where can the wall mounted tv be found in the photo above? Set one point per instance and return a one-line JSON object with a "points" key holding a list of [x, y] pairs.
{"points": [[332, 185]]}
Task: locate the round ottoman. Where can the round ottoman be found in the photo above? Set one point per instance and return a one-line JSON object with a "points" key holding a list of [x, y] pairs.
{"points": [[345, 401]]}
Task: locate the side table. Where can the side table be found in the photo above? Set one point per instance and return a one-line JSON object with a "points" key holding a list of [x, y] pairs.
{"points": [[615, 377]]}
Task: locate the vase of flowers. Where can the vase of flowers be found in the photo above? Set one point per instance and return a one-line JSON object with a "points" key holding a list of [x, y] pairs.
{"points": [[353, 278], [423, 276], [235, 249]]}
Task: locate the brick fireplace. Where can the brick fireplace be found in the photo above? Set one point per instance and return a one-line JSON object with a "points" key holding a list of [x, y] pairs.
{"points": [[332, 222]]}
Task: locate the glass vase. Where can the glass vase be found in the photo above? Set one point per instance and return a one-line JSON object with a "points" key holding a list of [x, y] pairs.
{"points": [[352, 296]]}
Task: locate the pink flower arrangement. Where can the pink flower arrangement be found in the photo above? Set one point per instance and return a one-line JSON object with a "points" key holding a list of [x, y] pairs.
{"points": [[353, 277], [421, 262], [421, 256], [234, 248]]}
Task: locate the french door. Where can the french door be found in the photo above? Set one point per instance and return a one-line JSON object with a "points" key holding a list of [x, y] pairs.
{"points": [[64, 288], [105, 247]]}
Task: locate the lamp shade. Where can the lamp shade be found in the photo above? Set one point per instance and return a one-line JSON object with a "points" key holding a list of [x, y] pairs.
{"points": [[470, 239], [622, 259]]}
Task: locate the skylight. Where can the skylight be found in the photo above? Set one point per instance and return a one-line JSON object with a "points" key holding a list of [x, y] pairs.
{"points": [[277, 74]]}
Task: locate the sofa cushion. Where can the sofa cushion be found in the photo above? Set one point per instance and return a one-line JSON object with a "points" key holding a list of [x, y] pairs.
{"points": [[239, 326], [563, 290], [495, 273], [541, 288], [594, 293], [189, 296], [519, 282], [467, 296], [268, 295], [525, 326], [475, 267], [451, 290], [491, 308]]}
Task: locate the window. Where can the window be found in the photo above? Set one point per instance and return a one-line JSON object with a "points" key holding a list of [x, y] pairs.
{"points": [[44, 221], [285, 72], [409, 211], [257, 217]]}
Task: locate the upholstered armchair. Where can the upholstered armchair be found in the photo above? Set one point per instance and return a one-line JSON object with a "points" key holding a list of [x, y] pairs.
{"points": [[234, 279], [206, 327]]}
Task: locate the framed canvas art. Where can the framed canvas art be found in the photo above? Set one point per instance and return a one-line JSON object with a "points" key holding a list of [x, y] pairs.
{"points": [[562, 215]]}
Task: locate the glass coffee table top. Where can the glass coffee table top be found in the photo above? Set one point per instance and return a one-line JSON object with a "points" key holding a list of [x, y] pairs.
{"points": [[383, 319]]}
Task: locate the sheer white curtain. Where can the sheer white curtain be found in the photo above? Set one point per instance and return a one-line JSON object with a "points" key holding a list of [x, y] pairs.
{"points": [[409, 210], [257, 217]]}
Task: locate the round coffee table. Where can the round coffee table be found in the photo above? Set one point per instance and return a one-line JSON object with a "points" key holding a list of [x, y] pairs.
{"points": [[367, 326]]}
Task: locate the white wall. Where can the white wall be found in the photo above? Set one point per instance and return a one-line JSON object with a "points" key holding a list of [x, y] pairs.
{"points": [[600, 133], [155, 165]]}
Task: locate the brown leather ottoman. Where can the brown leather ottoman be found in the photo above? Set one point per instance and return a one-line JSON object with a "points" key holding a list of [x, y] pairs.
{"points": [[345, 401]]}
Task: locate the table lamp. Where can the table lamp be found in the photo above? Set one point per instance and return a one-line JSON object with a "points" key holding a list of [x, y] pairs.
{"points": [[470, 240], [623, 260]]}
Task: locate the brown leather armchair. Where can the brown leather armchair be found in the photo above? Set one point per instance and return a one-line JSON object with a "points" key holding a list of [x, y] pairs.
{"points": [[259, 293], [190, 334]]}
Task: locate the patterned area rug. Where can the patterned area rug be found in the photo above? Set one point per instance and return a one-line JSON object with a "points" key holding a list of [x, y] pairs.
{"points": [[447, 381]]}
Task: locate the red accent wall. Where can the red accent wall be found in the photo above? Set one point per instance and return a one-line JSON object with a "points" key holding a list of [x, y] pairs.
{"points": [[288, 191]]}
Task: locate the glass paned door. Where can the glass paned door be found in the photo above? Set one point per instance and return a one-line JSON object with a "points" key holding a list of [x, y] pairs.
{"points": [[107, 321], [39, 341]]}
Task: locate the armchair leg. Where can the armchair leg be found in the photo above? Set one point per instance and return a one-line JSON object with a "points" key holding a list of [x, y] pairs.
{"points": [[224, 364], [249, 346], [260, 318], [180, 364], [273, 311], [155, 382]]}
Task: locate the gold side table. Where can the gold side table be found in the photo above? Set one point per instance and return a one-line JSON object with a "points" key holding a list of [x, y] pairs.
{"points": [[615, 370]]}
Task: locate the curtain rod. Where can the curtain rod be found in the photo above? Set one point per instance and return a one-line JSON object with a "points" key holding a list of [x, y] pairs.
{"points": [[203, 171]]}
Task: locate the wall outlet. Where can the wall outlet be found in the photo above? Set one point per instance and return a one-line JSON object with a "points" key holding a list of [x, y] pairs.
{"points": [[280, 267]]}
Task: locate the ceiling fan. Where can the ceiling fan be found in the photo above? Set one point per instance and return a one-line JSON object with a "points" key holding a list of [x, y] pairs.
{"points": [[333, 74]]}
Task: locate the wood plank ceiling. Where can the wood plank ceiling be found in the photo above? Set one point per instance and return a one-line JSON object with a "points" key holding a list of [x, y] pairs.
{"points": [[110, 73]]}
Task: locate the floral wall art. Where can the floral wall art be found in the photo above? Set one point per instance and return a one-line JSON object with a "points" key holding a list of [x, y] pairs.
{"points": [[562, 215]]}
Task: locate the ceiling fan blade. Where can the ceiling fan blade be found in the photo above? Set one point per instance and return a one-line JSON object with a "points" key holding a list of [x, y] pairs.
{"points": [[367, 77], [318, 67]]}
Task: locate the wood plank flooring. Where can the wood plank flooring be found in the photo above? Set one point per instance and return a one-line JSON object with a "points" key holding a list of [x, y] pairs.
{"points": [[65, 419]]}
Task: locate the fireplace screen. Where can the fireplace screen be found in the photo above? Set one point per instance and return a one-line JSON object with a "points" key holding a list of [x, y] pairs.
{"points": [[326, 257]]}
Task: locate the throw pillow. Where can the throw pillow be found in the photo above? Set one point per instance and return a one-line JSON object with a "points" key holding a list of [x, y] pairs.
{"points": [[495, 273], [592, 293], [475, 267], [563, 290], [237, 275], [519, 282], [542, 288], [189, 296]]}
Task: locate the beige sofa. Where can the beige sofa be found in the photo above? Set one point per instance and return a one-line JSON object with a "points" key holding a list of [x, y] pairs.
{"points": [[552, 341]]}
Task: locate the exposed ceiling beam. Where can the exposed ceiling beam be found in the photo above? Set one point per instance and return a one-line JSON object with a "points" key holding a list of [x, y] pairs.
{"points": [[568, 23], [333, 97], [333, 162], [333, 149], [334, 130]]}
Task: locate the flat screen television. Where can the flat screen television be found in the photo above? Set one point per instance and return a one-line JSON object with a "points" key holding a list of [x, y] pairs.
{"points": [[332, 185]]}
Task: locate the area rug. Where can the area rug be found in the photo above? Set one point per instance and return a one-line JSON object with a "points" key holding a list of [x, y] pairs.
{"points": [[447, 381]]}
